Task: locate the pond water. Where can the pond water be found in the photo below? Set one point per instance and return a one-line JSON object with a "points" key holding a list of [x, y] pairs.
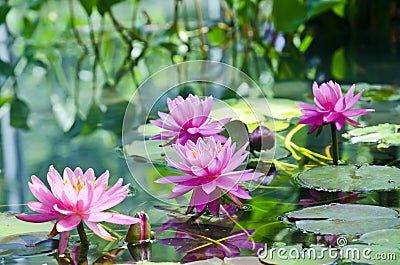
{"points": [[62, 89]]}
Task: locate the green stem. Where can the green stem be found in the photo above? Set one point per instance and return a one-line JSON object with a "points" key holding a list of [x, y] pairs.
{"points": [[335, 148], [82, 234]]}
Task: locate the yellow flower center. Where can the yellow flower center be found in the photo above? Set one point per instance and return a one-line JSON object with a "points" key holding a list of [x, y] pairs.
{"points": [[77, 184], [194, 153]]}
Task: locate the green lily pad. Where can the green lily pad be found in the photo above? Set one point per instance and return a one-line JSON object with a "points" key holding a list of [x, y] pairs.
{"points": [[343, 219], [384, 135], [350, 178], [10, 225], [295, 255], [142, 151], [371, 254], [385, 237], [27, 244]]}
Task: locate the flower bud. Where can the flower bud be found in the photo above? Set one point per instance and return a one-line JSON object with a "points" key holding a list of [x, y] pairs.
{"points": [[141, 231], [261, 138]]}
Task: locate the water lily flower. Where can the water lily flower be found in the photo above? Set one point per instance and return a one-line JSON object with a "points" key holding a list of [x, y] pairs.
{"points": [[77, 196], [209, 167], [189, 119], [331, 106]]}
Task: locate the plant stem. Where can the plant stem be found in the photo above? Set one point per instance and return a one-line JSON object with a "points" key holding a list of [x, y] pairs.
{"points": [[82, 234], [335, 148]]}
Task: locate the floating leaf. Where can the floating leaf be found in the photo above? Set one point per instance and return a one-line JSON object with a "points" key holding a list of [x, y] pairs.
{"points": [[146, 151], [296, 255], [343, 219], [384, 135], [371, 254], [385, 237], [10, 225], [27, 244], [350, 178], [257, 110]]}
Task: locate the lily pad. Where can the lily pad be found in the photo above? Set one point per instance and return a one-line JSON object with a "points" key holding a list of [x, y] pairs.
{"points": [[296, 255], [384, 135], [385, 237], [350, 178], [371, 254], [257, 110], [27, 245], [10, 225], [147, 151], [343, 219]]}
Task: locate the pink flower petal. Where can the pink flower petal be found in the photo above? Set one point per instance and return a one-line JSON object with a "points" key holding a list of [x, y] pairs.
{"points": [[209, 187], [241, 193], [63, 243], [122, 219], [99, 230], [37, 218], [68, 223], [173, 179]]}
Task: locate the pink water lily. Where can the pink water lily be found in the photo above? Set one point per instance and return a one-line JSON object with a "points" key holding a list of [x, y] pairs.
{"points": [[331, 106], [75, 197], [209, 167], [188, 119]]}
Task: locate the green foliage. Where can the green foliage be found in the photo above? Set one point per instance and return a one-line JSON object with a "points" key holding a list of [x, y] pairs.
{"points": [[288, 15], [19, 112]]}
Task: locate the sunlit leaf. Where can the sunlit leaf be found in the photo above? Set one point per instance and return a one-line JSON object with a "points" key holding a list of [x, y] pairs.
{"points": [[216, 36], [146, 151], [350, 178], [343, 219], [339, 64], [384, 135], [10, 225]]}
